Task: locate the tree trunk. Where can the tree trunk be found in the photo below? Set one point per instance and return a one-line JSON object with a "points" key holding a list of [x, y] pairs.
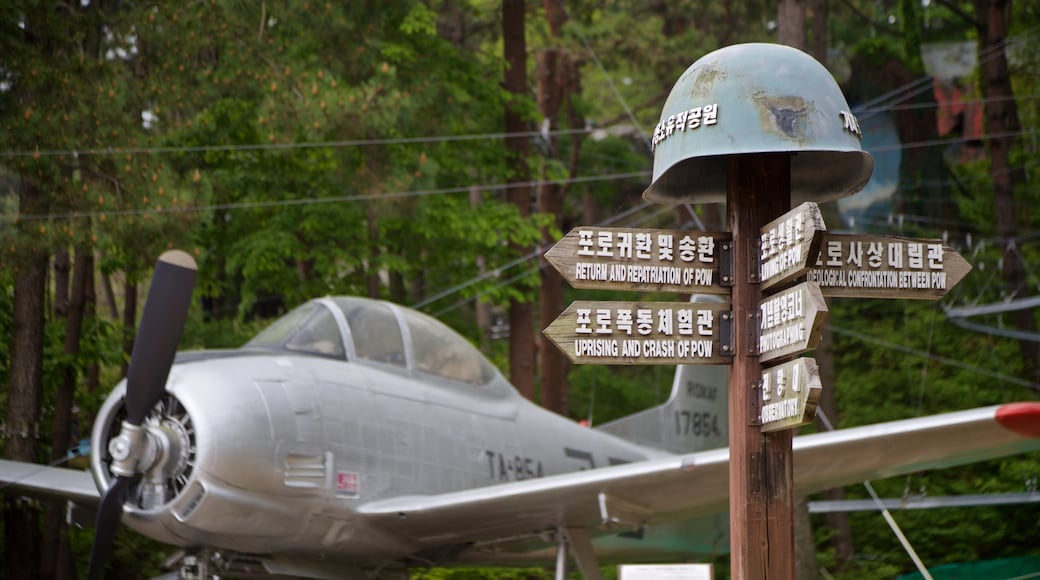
{"points": [[819, 32], [90, 313], [110, 296], [553, 363], [550, 94], [483, 309], [790, 21], [521, 314], [24, 395], [56, 561], [129, 321], [61, 283], [556, 83], [61, 435], [1002, 130], [372, 271]]}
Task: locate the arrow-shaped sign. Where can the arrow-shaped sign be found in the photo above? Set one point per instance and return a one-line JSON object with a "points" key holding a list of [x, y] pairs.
{"points": [[632, 333], [642, 260], [858, 266], [789, 245], [790, 322], [790, 394]]}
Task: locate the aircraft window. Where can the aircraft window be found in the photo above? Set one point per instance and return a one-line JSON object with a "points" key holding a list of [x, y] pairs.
{"points": [[318, 335], [375, 330], [280, 330], [307, 328], [441, 351]]}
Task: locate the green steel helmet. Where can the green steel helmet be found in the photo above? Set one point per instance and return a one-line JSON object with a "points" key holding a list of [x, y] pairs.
{"points": [[750, 99]]}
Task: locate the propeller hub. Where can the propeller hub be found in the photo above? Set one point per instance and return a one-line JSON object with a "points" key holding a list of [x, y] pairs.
{"points": [[173, 447], [132, 451], [158, 455]]}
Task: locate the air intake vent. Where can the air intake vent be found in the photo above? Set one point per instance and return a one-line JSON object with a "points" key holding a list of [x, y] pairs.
{"points": [[193, 498], [305, 471]]}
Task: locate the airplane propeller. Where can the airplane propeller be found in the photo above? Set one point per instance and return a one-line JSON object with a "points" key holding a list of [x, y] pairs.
{"points": [[159, 332]]}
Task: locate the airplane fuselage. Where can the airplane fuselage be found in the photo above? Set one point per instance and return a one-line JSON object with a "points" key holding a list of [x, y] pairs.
{"points": [[285, 446]]}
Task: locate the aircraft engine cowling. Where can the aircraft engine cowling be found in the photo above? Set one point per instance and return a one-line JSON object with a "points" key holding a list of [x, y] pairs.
{"points": [[172, 453], [206, 468]]}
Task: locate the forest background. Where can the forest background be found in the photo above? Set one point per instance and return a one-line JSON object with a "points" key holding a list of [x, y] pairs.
{"points": [[428, 152]]}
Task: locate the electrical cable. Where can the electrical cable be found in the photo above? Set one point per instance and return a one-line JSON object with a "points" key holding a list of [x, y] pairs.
{"points": [[287, 146], [938, 358], [347, 143], [363, 197], [325, 200], [903, 540]]}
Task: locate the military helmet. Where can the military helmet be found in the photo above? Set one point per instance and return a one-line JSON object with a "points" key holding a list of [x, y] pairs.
{"points": [[753, 99]]}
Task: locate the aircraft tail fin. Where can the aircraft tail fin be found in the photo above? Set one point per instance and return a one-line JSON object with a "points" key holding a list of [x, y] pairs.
{"points": [[694, 418]]}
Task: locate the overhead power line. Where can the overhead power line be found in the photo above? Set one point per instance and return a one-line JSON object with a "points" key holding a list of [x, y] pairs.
{"points": [[325, 200], [436, 191], [285, 146], [937, 358], [864, 112]]}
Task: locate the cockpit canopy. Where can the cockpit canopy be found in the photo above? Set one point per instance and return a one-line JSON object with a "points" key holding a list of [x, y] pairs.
{"points": [[354, 328]]}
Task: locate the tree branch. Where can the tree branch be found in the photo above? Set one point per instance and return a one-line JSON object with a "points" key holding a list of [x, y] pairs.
{"points": [[952, 7], [865, 18]]}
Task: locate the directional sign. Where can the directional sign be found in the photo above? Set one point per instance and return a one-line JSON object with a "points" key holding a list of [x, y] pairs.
{"points": [[642, 260], [635, 333], [886, 267], [790, 394], [790, 322], [789, 244]]}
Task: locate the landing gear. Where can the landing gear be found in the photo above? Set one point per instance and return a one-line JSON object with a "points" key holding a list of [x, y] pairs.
{"points": [[212, 565], [194, 568], [578, 542]]}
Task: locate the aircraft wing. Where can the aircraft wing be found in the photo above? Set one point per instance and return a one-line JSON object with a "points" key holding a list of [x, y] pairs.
{"points": [[688, 486], [500, 521], [49, 482]]}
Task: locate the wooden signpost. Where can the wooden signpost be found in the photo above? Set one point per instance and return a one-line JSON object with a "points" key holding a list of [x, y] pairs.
{"points": [[761, 467], [779, 266], [778, 275], [641, 260]]}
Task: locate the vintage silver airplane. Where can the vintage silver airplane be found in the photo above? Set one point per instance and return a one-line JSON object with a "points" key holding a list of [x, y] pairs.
{"points": [[358, 438]]}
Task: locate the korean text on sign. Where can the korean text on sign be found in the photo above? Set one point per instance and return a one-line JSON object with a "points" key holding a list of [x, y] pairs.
{"points": [[645, 246], [689, 120], [899, 255], [644, 321]]}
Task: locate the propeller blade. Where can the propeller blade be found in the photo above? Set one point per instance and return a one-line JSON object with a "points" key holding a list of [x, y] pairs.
{"points": [[109, 513], [162, 321]]}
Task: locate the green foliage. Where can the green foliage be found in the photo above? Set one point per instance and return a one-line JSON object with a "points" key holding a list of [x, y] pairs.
{"points": [[608, 393], [299, 156], [134, 556], [877, 51], [910, 24], [420, 21], [892, 360], [896, 360], [6, 326]]}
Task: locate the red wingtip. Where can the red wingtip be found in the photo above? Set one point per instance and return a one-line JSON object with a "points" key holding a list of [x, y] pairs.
{"points": [[1020, 418]]}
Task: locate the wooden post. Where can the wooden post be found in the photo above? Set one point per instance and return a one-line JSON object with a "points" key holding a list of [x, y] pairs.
{"points": [[761, 495]]}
